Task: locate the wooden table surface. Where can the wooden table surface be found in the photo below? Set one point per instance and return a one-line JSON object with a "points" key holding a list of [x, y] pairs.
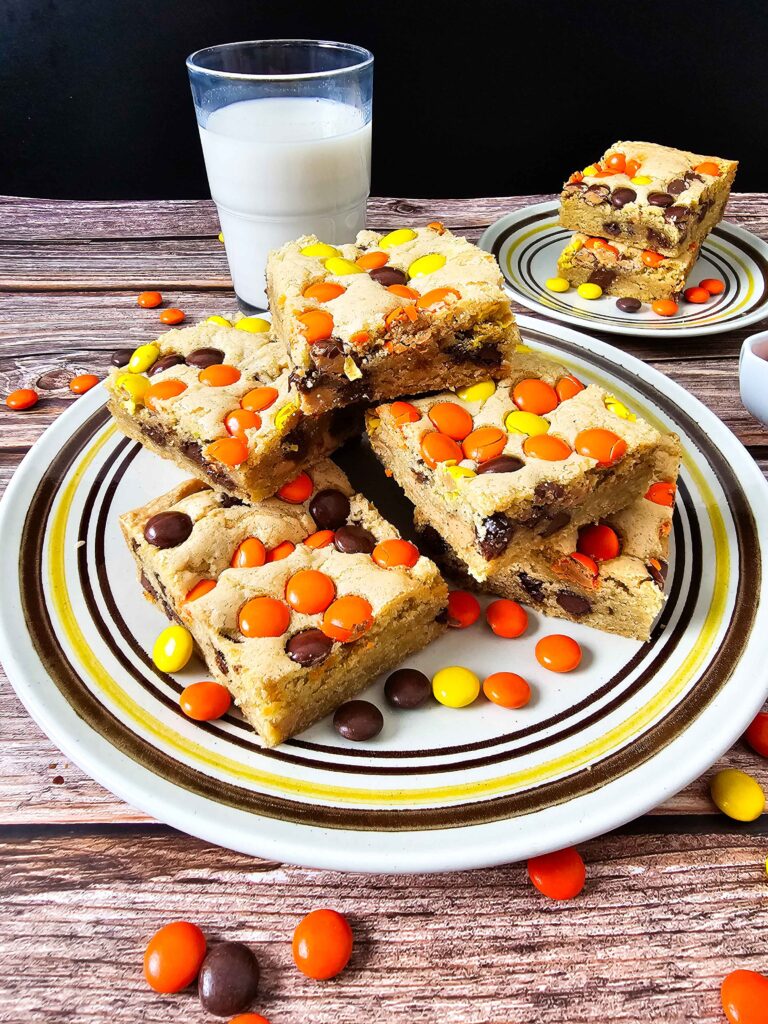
{"points": [[672, 904]]}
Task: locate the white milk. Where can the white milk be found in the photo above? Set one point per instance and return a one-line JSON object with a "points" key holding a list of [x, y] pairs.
{"points": [[280, 168]]}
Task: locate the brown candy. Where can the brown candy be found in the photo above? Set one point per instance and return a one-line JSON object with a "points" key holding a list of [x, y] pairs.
{"points": [[407, 688], [310, 647], [164, 363], [387, 276], [204, 357], [358, 720], [621, 196], [329, 508], [167, 529], [660, 199], [228, 980], [501, 464], [121, 356], [354, 540]]}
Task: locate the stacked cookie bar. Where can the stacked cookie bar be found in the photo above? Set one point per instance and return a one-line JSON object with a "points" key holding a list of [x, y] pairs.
{"points": [[640, 215]]}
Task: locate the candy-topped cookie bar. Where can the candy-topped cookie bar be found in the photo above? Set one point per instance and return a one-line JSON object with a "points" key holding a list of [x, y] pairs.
{"points": [[494, 464], [410, 311], [649, 196], [609, 574], [218, 402], [296, 603], [624, 271]]}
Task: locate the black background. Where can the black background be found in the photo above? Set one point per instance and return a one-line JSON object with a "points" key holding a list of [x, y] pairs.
{"points": [[470, 99]]}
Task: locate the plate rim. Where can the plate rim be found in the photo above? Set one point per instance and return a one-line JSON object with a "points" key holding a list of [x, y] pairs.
{"points": [[590, 321]]}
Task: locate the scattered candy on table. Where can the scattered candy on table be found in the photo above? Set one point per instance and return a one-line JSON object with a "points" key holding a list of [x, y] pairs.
{"points": [[82, 383], [744, 995], [149, 300], [229, 979], [173, 957], [455, 687], [322, 944], [172, 317], [24, 398], [757, 733], [737, 794], [560, 875]]}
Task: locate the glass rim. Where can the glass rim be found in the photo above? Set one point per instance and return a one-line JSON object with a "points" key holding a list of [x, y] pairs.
{"points": [[366, 60]]}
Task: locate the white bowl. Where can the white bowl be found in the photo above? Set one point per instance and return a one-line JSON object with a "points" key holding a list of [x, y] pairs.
{"points": [[753, 375]]}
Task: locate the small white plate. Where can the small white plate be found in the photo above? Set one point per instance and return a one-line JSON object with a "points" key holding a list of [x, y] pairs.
{"points": [[528, 242], [439, 788]]}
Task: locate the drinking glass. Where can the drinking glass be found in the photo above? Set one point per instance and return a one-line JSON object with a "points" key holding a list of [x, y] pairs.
{"points": [[285, 126]]}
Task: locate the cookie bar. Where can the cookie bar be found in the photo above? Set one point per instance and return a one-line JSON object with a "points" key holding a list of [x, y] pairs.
{"points": [[648, 196], [296, 603], [492, 464], [624, 271], [411, 311], [609, 575], [219, 403]]}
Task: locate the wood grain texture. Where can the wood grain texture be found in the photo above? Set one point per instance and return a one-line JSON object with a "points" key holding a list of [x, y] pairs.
{"points": [[661, 921]]}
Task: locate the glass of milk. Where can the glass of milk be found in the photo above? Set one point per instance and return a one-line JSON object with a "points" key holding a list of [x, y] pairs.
{"points": [[285, 126]]}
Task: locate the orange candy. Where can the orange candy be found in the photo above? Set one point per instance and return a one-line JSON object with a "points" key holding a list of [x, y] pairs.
{"points": [[163, 390], [324, 291], [713, 285], [744, 995], [148, 300], [708, 167], [317, 325], [229, 450], [219, 375], [506, 618], [249, 1018], [652, 259], [463, 609], [451, 419], [249, 554], [84, 382], [309, 591], [484, 444], [757, 734], [507, 689], [359, 338], [297, 490], [322, 944], [173, 957], [696, 295], [536, 396], [283, 550], [22, 399], [263, 616], [172, 317], [200, 589], [632, 167], [602, 244], [259, 399], [404, 412], [662, 493], [437, 447], [205, 701], [401, 313], [240, 420], [558, 653], [347, 619], [437, 225], [389, 554], [599, 542], [319, 539], [372, 260], [664, 307], [616, 162], [567, 387], [560, 875], [601, 445], [403, 291], [436, 297], [547, 447]]}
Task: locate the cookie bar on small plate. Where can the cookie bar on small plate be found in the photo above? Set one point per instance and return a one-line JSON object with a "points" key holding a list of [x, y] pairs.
{"points": [[296, 603], [398, 314], [624, 271], [649, 196], [609, 575], [494, 464], [219, 403]]}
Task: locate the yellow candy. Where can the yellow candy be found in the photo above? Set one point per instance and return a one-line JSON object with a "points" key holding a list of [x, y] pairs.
{"points": [[220, 320], [143, 357], [737, 794], [340, 267], [134, 385], [589, 171], [641, 179], [252, 324], [286, 413], [589, 291], [574, 245], [557, 284], [426, 264], [477, 392], [455, 687], [519, 422], [320, 249], [523, 348], [460, 472], [618, 408], [221, 238], [173, 649], [398, 237]]}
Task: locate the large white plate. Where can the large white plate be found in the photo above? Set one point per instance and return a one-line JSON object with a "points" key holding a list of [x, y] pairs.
{"points": [[440, 788], [527, 243]]}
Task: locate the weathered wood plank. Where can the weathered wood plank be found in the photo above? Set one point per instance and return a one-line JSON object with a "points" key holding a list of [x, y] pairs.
{"points": [[661, 921]]}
